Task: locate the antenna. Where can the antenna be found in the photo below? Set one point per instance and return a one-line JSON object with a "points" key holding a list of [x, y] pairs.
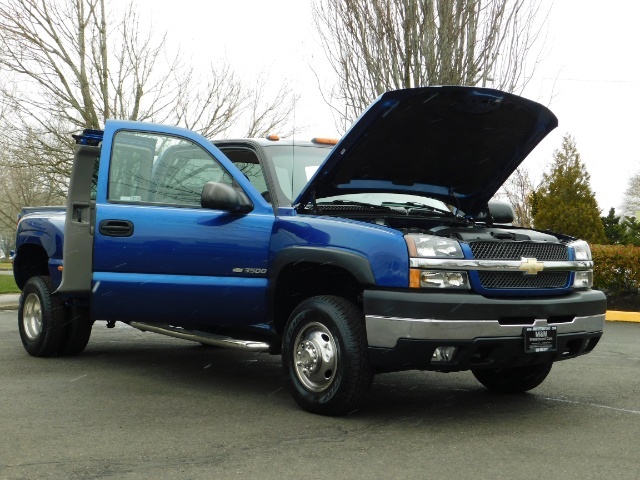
{"points": [[293, 148]]}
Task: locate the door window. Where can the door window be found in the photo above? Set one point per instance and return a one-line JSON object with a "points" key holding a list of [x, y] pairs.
{"points": [[161, 169]]}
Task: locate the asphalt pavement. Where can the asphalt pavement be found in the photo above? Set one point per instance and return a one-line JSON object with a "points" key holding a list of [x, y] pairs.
{"points": [[138, 405]]}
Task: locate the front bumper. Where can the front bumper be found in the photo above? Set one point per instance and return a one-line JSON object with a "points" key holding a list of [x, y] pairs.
{"points": [[404, 328]]}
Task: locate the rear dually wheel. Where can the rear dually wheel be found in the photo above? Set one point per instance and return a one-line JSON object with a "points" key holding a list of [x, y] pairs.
{"points": [[515, 379], [41, 316]]}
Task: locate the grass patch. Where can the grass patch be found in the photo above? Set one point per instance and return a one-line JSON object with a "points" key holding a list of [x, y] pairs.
{"points": [[6, 266], [8, 284]]}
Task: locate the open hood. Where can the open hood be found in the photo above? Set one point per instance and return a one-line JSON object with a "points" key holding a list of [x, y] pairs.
{"points": [[455, 144]]}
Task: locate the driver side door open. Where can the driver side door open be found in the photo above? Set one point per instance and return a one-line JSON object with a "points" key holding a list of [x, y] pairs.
{"points": [[157, 249]]}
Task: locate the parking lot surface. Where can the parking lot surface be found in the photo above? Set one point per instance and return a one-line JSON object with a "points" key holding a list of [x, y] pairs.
{"points": [[138, 405]]}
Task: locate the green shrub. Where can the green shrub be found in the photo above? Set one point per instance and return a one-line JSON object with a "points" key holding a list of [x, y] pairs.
{"points": [[617, 267]]}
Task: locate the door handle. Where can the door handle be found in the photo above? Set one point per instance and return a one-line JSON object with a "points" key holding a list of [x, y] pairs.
{"points": [[116, 228]]}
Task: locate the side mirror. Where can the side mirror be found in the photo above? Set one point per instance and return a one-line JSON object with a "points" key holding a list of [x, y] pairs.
{"points": [[220, 196], [497, 212]]}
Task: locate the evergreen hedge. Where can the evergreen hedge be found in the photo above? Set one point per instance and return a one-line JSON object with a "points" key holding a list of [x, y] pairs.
{"points": [[617, 268]]}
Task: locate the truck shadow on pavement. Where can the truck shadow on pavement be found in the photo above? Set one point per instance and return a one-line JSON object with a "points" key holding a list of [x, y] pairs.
{"points": [[153, 363]]}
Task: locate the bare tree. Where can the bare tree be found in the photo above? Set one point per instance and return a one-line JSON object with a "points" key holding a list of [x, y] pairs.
{"points": [[379, 45], [270, 115], [21, 187], [77, 65], [631, 198], [77, 68], [518, 190], [226, 104]]}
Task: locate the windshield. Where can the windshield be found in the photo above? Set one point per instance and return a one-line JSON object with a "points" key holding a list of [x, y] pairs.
{"points": [[295, 165]]}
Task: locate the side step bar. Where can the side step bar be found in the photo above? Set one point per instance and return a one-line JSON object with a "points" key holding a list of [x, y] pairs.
{"points": [[202, 337]]}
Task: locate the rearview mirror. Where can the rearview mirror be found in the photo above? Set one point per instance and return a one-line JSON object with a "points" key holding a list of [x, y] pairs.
{"points": [[498, 212]]}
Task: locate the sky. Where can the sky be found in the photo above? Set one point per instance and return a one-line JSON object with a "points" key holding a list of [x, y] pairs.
{"points": [[589, 74]]}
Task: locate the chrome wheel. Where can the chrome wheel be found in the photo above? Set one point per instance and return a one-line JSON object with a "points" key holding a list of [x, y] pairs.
{"points": [[324, 346], [32, 316], [42, 318], [315, 357]]}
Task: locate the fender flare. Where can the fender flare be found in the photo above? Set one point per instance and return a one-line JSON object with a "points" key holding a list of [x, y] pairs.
{"points": [[354, 263]]}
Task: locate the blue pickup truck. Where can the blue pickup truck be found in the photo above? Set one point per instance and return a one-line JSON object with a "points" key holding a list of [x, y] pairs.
{"points": [[380, 253]]}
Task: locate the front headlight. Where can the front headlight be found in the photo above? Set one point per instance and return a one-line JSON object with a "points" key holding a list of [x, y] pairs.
{"points": [[430, 246], [581, 250], [438, 279]]}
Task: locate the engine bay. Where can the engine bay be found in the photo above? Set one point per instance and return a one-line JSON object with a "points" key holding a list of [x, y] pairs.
{"points": [[440, 224]]}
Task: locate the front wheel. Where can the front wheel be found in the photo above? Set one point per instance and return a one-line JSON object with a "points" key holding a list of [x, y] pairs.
{"points": [[324, 353], [515, 379], [41, 317]]}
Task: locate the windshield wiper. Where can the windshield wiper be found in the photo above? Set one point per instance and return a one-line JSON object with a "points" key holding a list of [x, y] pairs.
{"points": [[417, 206], [355, 204]]}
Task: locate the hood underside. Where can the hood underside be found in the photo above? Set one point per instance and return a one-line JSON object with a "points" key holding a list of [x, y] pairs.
{"points": [[455, 144]]}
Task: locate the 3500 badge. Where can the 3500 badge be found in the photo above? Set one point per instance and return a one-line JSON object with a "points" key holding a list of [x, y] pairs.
{"points": [[255, 271]]}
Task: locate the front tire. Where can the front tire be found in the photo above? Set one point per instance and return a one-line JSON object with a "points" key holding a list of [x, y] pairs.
{"points": [[325, 355], [515, 379], [41, 316]]}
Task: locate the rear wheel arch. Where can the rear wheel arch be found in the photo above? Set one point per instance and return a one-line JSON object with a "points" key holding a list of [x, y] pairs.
{"points": [[31, 260]]}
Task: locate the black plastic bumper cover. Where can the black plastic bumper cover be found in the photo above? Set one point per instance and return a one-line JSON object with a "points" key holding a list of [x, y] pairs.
{"points": [[470, 306]]}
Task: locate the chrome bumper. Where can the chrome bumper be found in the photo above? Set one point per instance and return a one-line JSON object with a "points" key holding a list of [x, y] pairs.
{"points": [[385, 332]]}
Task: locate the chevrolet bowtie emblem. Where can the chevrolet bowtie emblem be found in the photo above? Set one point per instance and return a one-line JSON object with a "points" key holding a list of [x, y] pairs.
{"points": [[531, 266]]}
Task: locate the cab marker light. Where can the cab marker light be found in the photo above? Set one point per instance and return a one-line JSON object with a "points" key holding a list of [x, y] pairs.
{"points": [[324, 140]]}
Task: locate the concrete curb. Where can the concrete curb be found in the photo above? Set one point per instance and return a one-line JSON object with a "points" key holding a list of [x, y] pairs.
{"points": [[617, 316], [9, 301]]}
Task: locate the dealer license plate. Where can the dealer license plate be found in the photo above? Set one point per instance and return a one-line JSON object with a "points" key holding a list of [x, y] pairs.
{"points": [[540, 339]]}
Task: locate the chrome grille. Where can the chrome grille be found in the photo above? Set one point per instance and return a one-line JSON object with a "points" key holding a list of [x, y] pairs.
{"points": [[520, 280], [516, 250]]}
